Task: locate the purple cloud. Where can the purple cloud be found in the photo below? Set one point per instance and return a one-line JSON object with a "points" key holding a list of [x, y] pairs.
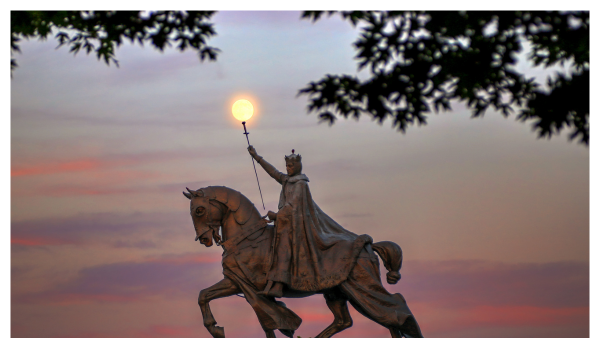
{"points": [[457, 284], [101, 228], [474, 283], [166, 276], [450, 299]]}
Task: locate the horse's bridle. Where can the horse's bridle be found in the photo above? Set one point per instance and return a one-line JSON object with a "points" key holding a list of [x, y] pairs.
{"points": [[212, 225]]}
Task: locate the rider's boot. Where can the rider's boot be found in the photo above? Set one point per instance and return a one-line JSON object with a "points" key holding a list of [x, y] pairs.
{"points": [[273, 289]]}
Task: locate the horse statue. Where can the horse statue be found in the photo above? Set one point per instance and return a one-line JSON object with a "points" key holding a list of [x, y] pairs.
{"points": [[247, 240]]}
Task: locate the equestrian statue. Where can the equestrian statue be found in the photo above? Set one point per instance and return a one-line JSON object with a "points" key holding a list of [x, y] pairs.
{"points": [[303, 253]]}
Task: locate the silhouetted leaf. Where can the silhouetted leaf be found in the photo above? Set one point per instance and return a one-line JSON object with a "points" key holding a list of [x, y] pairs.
{"points": [[423, 59], [102, 31]]}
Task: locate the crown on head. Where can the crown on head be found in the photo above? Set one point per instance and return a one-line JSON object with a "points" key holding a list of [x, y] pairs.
{"points": [[293, 157]]}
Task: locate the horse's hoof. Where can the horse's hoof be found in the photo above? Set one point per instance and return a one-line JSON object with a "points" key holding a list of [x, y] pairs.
{"points": [[217, 331], [220, 332], [289, 333]]}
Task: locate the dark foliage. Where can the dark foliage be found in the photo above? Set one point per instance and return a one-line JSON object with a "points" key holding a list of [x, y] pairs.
{"points": [[421, 61], [103, 31]]}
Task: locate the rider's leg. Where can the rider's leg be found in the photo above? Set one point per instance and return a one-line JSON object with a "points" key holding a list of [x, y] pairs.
{"points": [[273, 289], [223, 288], [279, 272]]}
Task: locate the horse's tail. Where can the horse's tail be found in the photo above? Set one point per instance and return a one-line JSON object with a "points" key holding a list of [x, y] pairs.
{"points": [[391, 254]]}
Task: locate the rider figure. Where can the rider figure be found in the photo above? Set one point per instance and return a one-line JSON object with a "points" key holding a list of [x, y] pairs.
{"points": [[280, 268], [311, 252]]}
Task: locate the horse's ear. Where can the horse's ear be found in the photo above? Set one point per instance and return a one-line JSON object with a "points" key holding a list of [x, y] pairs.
{"points": [[194, 193], [188, 195]]}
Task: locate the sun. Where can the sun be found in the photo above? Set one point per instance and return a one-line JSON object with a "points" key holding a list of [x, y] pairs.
{"points": [[242, 110]]}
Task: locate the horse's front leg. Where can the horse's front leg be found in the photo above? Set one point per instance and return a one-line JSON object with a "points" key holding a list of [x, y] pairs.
{"points": [[222, 289]]}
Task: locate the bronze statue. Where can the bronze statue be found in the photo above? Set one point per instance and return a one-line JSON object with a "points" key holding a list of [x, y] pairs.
{"points": [[304, 253]]}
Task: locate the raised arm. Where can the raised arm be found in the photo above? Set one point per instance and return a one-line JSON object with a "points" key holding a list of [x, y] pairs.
{"points": [[270, 169]]}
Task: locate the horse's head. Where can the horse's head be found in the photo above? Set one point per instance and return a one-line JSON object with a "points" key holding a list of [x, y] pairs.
{"points": [[206, 215]]}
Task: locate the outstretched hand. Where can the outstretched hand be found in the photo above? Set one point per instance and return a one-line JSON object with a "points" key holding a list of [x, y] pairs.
{"points": [[252, 151]]}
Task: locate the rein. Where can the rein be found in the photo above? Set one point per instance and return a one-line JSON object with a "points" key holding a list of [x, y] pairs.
{"points": [[230, 245], [212, 225]]}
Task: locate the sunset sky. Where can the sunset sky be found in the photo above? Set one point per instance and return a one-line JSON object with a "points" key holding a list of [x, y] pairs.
{"points": [[493, 222]]}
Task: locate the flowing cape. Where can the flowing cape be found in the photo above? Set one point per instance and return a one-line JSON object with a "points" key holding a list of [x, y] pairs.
{"points": [[321, 252]]}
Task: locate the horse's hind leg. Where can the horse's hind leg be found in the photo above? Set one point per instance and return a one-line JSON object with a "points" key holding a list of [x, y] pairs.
{"points": [[222, 289], [410, 328], [365, 292], [338, 304]]}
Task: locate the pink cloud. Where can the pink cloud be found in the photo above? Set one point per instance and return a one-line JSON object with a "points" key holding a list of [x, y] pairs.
{"points": [[88, 164], [153, 331], [54, 168], [527, 316], [187, 258], [82, 191], [309, 316], [88, 335], [104, 175], [171, 331], [38, 241], [117, 183], [445, 320]]}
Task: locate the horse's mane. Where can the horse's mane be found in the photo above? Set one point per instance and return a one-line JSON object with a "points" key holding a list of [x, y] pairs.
{"points": [[238, 204]]}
